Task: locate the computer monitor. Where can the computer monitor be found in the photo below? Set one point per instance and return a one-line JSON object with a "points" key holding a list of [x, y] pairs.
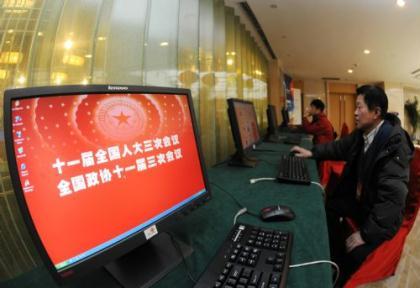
{"points": [[272, 129], [99, 170], [245, 131], [285, 115]]}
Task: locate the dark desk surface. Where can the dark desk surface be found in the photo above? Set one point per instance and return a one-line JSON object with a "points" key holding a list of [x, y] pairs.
{"points": [[206, 227]]}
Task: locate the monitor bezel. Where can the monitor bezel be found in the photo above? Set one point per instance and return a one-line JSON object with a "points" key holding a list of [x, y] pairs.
{"points": [[273, 125], [235, 128], [286, 119], [133, 241]]}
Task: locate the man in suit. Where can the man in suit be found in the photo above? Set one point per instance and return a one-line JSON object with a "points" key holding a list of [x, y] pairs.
{"points": [[374, 184]]}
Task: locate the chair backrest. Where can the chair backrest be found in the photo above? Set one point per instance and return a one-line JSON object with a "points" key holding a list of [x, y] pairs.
{"points": [[413, 197], [344, 130]]}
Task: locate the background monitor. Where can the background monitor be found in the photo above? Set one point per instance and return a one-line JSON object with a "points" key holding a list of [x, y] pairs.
{"points": [[245, 131], [285, 115], [273, 126], [99, 169]]}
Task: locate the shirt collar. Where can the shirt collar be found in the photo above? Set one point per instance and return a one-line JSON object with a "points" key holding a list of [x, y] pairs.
{"points": [[368, 139]]}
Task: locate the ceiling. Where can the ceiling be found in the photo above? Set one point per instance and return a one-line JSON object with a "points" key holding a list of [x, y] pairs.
{"points": [[324, 38]]}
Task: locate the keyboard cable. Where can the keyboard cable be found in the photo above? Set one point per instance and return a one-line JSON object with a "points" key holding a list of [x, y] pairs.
{"points": [[178, 249], [320, 262], [243, 209], [255, 180]]}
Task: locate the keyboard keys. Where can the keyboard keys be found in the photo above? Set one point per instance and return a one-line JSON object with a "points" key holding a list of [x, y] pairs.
{"points": [[244, 264], [293, 170]]}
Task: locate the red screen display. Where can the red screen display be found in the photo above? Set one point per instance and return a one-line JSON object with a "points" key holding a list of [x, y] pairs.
{"points": [[247, 123], [95, 168]]}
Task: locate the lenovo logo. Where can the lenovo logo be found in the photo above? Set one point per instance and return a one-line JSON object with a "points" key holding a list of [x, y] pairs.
{"points": [[118, 88]]}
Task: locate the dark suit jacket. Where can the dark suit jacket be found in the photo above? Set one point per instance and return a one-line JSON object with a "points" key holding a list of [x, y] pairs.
{"points": [[384, 179]]}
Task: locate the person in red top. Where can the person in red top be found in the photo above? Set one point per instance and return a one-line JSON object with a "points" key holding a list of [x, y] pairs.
{"points": [[320, 126]]}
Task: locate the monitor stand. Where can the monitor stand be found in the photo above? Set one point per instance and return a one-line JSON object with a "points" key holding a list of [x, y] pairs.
{"points": [[148, 263], [242, 160]]}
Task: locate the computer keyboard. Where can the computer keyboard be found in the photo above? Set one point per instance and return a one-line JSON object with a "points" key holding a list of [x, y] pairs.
{"points": [[250, 257], [293, 170]]}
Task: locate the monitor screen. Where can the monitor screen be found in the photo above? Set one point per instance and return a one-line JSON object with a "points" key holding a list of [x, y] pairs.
{"points": [[244, 123], [94, 167]]}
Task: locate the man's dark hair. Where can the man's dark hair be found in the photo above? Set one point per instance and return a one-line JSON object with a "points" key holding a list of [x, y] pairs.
{"points": [[318, 104], [374, 96]]}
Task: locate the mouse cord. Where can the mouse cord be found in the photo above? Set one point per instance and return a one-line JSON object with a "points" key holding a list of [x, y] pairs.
{"points": [[319, 262], [255, 180], [237, 203], [320, 186]]}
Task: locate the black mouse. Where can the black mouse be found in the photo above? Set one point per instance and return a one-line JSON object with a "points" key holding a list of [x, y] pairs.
{"points": [[277, 213], [292, 153]]}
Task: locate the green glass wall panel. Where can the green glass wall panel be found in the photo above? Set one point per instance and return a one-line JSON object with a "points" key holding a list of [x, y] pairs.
{"points": [[160, 60]]}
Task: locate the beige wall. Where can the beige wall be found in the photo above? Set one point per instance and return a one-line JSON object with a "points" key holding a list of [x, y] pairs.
{"points": [[395, 93], [313, 89]]}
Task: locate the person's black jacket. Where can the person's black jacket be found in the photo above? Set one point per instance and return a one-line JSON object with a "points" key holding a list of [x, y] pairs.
{"points": [[384, 178]]}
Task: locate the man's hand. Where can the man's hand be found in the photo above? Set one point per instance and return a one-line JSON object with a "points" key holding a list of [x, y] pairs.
{"points": [[301, 152], [353, 241]]}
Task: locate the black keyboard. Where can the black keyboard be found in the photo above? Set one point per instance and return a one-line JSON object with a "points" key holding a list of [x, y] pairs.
{"points": [[250, 257], [293, 170]]}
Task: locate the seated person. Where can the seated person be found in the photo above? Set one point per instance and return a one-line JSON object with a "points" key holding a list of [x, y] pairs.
{"points": [[320, 126], [374, 184]]}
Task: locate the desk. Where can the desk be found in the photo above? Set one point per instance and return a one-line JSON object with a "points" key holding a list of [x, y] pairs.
{"points": [[206, 227]]}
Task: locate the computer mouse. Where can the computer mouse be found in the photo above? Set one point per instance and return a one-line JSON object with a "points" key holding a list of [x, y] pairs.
{"points": [[277, 213], [292, 153]]}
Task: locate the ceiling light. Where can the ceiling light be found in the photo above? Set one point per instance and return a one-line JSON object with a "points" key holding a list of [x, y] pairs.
{"points": [[366, 51], [3, 74], [68, 44], [229, 62], [21, 80], [73, 60], [400, 3], [164, 44], [101, 38], [11, 57], [350, 71], [10, 31], [88, 56], [40, 34]]}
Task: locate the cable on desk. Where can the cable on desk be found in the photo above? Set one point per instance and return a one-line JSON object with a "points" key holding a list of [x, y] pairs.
{"points": [[235, 200], [320, 262], [239, 213], [319, 185], [178, 249], [255, 180]]}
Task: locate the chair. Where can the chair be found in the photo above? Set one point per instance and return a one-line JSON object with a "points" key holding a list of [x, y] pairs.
{"points": [[344, 130], [330, 171], [383, 262]]}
